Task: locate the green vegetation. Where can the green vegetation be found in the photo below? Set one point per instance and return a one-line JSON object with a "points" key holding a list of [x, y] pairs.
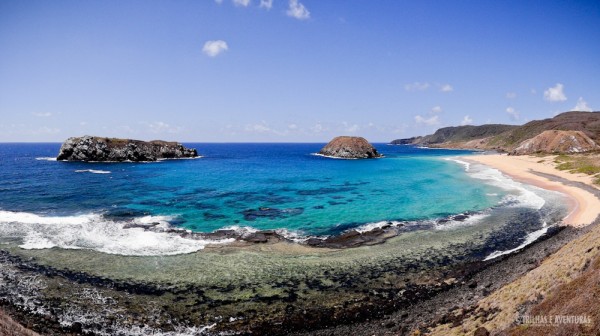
{"points": [[580, 163]]}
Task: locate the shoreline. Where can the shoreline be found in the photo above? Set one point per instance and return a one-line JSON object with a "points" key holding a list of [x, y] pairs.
{"points": [[492, 299], [420, 305], [584, 206]]}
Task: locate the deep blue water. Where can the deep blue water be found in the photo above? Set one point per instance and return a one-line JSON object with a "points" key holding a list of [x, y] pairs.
{"points": [[46, 203], [231, 183]]}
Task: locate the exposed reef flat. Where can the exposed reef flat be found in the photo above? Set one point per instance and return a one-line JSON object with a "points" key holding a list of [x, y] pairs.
{"points": [[314, 289], [90, 148], [347, 147]]}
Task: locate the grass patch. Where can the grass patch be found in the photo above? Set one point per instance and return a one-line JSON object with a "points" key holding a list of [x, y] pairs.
{"points": [[579, 163]]}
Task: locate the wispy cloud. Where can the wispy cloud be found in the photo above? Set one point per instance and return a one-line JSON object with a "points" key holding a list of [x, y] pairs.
{"points": [[555, 94], [219, 1], [258, 128], [214, 48], [436, 109], [350, 128], [319, 128], [431, 121], [417, 86], [266, 4], [241, 3], [446, 88], [514, 114], [297, 10], [511, 95], [466, 120], [162, 127], [582, 105], [42, 114]]}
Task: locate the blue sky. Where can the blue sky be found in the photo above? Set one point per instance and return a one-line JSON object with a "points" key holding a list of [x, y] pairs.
{"points": [[290, 70]]}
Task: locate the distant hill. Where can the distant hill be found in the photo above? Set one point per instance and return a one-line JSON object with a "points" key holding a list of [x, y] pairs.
{"points": [[458, 134], [509, 137]]}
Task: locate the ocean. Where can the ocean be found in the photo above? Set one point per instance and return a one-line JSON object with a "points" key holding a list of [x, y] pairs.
{"points": [[132, 208]]}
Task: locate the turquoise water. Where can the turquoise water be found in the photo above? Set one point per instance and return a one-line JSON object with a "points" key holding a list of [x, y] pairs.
{"points": [[45, 203]]}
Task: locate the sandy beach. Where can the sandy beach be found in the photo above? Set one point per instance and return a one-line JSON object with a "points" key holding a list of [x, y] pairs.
{"points": [[559, 275], [584, 207]]}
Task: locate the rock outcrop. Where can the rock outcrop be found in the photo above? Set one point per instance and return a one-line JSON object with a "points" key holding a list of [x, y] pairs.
{"points": [[557, 142], [348, 147], [90, 148]]}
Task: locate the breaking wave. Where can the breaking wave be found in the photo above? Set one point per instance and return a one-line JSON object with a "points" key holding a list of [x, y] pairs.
{"points": [[141, 236]]}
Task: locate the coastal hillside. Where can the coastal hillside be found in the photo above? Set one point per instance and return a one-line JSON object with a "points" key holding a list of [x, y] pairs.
{"points": [[458, 134], [508, 138], [557, 141]]}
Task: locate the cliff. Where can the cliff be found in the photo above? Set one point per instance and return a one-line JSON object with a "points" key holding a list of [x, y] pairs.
{"points": [[90, 148], [347, 147]]}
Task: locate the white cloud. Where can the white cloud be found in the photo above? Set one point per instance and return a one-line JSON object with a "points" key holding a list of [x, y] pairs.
{"points": [[266, 4], [582, 105], [446, 88], [514, 114], [533, 91], [160, 127], [214, 48], [219, 1], [432, 121], [417, 86], [436, 109], [243, 3], [555, 94], [297, 10], [43, 114], [511, 95], [293, 126], [466, 120], [83, 123]]}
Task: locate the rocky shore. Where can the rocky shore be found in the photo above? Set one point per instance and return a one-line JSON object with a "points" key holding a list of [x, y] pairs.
{"points": [[445, 295], [381, 293], [90, 148]]}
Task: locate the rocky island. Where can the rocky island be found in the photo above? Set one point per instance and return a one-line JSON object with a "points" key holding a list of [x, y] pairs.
{"points": [[91, 148], [349, 147]]}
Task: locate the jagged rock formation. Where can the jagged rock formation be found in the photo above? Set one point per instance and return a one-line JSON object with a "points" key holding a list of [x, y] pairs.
{"points": [[557, 142], [90, 148], [348, 147]]}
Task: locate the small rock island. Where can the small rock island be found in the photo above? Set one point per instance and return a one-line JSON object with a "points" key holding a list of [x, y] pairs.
{"points": [[91, 148], [349, 147]]}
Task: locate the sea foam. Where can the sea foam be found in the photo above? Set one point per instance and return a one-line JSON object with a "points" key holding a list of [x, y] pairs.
{"points": [[93, 171], [94, 232], [519, 194], [530, 238]]}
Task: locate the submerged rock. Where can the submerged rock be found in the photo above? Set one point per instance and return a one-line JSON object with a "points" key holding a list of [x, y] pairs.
{"points": [[271, 213], [348, 147], [90, 148]]}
